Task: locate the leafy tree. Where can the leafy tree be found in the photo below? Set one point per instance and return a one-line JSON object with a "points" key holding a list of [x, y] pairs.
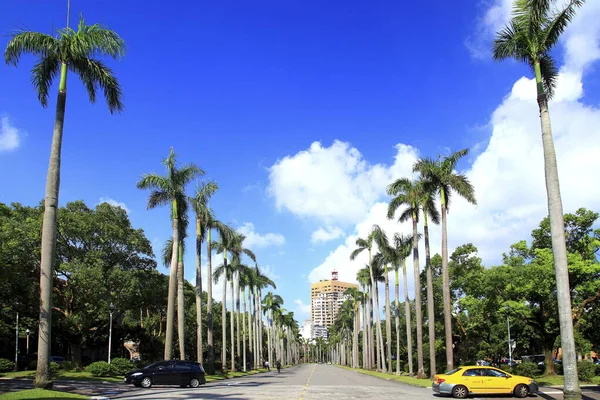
{"points": [[535, 28], [75, 51]]}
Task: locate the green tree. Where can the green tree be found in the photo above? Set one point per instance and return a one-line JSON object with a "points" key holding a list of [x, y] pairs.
{"points": [[439, 176], [75, 51], [170, 189], [535, 28]]}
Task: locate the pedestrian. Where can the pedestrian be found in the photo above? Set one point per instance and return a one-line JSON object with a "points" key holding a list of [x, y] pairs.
{"points": [[267, 366], [278, 363]]}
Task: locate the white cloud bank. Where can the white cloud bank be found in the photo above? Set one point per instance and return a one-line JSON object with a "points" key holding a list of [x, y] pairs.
{"points": [[337, 184], [257, 240], [323, 235], [10, 136]]}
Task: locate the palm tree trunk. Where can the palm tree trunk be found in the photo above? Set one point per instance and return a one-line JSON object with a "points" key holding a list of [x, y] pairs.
{"points": [[250, 330], [48, 245], [237, 314], [376, 311], [388, 322], [198, 294], [180, 303], [446, 289], [355, 337], [557, 229], [243, 331], [418, 312], [365, 337], [397, 322], [209, 306], [269, 341], [408, 325], [231, 324], [172, 285], [224, 317], [372, 343], [430, 303]]}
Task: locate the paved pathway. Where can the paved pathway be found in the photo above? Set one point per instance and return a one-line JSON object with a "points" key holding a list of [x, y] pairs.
{"points": [[305, 382]]}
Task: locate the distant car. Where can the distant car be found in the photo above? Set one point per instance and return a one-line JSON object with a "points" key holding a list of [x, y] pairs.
{"points": [[57, 359], [182, 373], [464, 381]]}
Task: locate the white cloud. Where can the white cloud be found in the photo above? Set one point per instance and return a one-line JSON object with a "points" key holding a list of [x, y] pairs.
{"points": [[114, 202], [333, 184], [326, 235], [301, 311], [508, 175], [9, 135], [257, 240]]}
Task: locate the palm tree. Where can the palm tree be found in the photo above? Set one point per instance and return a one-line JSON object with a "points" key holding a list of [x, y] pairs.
{"points": [[170, 189], [439, 176], [530, 36], [262, 281], [408, 193], [271, 305], [402, 247], [225, 233], [246, 280], [383, 259], [429, 211], [204, 214], [367, 244], [364, 278], [73, 51], [223, 271], [355, 297]]}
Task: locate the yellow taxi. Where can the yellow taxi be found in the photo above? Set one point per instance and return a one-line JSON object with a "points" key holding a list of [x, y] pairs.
{"points": [[464, 381]]}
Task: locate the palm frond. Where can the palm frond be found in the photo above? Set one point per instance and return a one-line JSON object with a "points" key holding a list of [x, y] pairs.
{"points": [[450, 161], [250, 254], [153, 181], [167, 252], [395, 204], [43, 75], [461, 185], [96, 40], [187, 173], [356, 252], [158, 198], [94, 73], [559, 22], [34, 43], [549, 73]]}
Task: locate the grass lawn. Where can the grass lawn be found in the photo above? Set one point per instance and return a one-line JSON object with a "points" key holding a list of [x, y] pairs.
{"points": [[398, 378], [64, 375], [229, 375], [40, 394], [559, 380]]}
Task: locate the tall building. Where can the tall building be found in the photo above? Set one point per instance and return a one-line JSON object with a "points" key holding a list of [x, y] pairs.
{"points": [[326, 298]]}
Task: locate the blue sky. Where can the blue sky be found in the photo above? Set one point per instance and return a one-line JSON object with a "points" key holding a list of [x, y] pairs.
{"points": [[243, 88]]}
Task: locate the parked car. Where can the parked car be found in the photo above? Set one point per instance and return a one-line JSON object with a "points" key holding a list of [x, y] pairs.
{"points": [[464, 381], [174, 372]]}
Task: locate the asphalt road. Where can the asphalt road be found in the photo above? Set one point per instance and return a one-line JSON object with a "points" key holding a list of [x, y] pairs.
{"points": [[305, 382]]}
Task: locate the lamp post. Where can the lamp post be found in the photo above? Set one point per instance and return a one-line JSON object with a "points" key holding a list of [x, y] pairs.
{"points": [[111, 309], [509, 341], [27, 331], [17, 343]]}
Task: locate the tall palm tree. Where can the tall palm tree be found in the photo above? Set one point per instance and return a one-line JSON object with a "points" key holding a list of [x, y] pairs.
{"points": [[271, 305], [74, 51], [534, 30], [199, 203], [355, 297], [439, 176], [363, 276], [402, 247], [224, 271], [429, 211], [408, 194], [367, 244], [383, 259], [170, 189], [246, 279], [225, 233]]}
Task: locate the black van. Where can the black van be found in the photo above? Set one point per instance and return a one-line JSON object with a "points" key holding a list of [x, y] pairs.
{"points": [[174, 372]]}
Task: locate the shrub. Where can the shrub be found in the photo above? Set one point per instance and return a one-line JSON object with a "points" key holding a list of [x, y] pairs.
{"points": [[558, 368], [54, 367], [122, 366], [506, 368], [597, 369], [586, 370], [67, 365], [101, 368], [32, 365], [6, 365], [527, 369]]}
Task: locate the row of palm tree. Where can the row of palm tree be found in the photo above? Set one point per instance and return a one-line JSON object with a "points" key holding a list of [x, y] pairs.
{"points": [[244, 282], [531, 35]]}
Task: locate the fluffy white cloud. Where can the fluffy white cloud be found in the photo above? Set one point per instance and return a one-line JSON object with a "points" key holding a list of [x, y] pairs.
{"points": [[301, 310], [114, 202], [9, 135], [508, 175], [325, 235], [257, 240], [333, 184]]}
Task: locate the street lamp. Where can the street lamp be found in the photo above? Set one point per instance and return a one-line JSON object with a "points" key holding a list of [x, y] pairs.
{"points": [[111, 309], [27, 331], [17, 343], [509, 341]]}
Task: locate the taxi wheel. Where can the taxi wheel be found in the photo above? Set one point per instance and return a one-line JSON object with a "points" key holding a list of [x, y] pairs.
{"points": [[460, 392], [521, 391]]}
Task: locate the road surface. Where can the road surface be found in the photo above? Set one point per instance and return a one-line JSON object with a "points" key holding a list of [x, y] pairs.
{"points": [[304, 382]]}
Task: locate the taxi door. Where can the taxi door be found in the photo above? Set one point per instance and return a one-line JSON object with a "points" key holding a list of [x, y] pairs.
{"points": [[475, 380]]}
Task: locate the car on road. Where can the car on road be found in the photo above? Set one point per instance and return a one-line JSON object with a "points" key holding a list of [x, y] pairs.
{"points": [[464, 381], [174, 372]]}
